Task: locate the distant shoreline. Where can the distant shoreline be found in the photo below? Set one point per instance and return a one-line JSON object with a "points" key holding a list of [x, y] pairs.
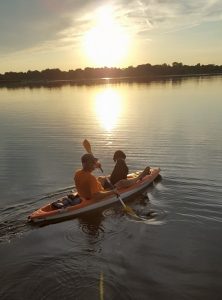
{"points": [[88, 76], [104, 80]]}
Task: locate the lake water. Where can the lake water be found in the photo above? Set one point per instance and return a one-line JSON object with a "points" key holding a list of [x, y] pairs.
{"points": [[173, 124]]}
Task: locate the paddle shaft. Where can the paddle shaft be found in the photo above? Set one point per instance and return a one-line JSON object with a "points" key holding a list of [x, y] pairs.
{"points": [[87, 146], [117, 194]]}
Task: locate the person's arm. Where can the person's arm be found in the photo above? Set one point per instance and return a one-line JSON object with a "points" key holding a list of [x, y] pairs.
{"points": [[97, 191]]}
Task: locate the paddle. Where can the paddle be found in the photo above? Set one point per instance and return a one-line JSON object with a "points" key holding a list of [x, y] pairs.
{"points": [[87, 146]]}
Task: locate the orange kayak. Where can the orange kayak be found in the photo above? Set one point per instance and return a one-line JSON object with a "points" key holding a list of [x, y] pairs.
{"points": [[73, 205]]}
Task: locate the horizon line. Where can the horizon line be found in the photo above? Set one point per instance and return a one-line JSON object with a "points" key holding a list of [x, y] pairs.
{"points": [[117, 68]]}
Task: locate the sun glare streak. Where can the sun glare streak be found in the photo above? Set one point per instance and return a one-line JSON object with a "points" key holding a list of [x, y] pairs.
{"points": [[108, 108], [107, 43]]}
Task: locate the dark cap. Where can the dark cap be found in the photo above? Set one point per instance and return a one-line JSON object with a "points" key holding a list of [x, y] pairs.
{"points": [[119, 154], [88, 158]]}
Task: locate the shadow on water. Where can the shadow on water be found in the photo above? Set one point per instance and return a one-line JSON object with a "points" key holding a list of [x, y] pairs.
{"points": [[91, 224]]}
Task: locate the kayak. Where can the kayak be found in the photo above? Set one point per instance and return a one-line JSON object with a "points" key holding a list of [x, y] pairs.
{"points": [[72, 205]]}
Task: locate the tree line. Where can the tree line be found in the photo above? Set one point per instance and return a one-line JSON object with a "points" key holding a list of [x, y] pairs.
{"points": [[144, 70]]}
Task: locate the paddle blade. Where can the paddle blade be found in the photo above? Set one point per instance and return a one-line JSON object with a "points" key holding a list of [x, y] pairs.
{"points": [[87, 146], [127, 209], [131, 212]]}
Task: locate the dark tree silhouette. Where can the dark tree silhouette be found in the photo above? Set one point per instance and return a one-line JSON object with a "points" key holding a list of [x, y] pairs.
{"points": [[141, 71]]}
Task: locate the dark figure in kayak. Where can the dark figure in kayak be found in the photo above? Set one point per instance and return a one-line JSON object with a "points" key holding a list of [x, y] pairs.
{"points": [[120, 170], [87, 184], [118, 177]]}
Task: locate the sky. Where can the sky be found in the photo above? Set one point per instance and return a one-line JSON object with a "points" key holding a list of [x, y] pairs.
{"points": [[71, 34]]}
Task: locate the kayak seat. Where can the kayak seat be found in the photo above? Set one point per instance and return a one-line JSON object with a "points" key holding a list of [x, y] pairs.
{"points": [[69, 200]]}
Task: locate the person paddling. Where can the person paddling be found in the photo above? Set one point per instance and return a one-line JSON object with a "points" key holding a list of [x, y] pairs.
{"points": [[87, 185]]}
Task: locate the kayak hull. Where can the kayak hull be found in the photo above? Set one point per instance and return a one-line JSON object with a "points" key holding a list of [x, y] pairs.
{"points": [[50, 213]]}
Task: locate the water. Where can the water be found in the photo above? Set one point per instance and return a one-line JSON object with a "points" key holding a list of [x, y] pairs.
{"points": [[175, 125]]}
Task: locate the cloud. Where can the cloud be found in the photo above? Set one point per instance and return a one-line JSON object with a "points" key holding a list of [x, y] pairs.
{"points": [[46, 24], [30, 23], [169, 15]]}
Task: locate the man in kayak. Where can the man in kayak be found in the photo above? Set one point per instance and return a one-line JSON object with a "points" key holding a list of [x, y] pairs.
{"points": [[87, 184]]}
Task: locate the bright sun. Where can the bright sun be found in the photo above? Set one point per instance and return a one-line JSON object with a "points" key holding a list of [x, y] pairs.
{"points": [[107, 43]]}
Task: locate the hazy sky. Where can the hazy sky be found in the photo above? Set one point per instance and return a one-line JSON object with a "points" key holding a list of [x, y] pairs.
{"points": [[70, 34]]}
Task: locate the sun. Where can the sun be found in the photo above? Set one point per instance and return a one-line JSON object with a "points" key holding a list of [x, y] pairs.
{"points": [[107, 43]]}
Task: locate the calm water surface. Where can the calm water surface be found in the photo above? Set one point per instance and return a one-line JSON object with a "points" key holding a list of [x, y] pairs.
{"points": [[175, 125]]}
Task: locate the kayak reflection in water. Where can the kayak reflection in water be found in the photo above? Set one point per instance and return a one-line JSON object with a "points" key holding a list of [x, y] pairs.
{"points": [[118, 177], [87, 185]]}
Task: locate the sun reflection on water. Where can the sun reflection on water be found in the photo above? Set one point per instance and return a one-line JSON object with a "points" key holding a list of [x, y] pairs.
{"points": [[108, 107]]}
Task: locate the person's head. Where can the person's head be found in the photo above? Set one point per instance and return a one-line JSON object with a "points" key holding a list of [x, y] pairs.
{"points": [[89, 162], [119, 155]]}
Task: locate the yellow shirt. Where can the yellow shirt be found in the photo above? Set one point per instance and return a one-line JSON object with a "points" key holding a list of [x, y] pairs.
{"points": [[87, 184]]}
